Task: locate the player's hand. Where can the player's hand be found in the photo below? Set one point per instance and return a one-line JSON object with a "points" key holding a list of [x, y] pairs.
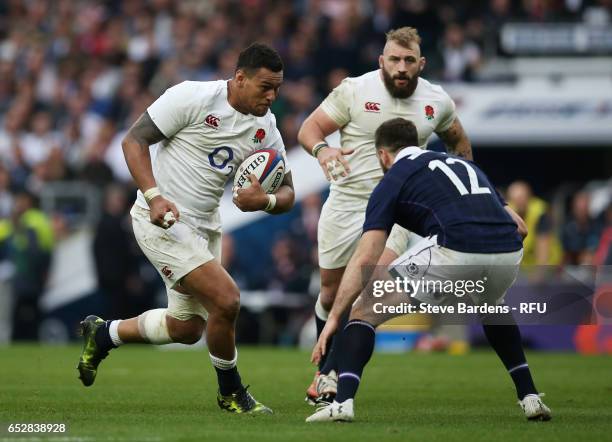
{"points": [[252, 198], [320, 348], [163, 212], [333, 163]]}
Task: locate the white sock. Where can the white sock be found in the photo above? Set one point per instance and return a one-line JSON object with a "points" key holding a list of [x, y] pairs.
{"points": [[320, 311], [113, 330], [223, 364], [152, 326]]}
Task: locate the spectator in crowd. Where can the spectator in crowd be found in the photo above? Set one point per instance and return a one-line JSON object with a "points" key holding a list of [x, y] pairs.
{"points": [[6, 197], [603, 255], [373, 30], [421, 14], [461, 57], [580, 234], [309, 216], [598, 13], [9, 138], [339, 48], [26, 240], [541, 246], [291, 272], [298, 60], [230, 261], [118, 267], [543, 10]]}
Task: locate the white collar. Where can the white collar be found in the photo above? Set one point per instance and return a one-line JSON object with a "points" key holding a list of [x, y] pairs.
{"points": [[410, 150]]}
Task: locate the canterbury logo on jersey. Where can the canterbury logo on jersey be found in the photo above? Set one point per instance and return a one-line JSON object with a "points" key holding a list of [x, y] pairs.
{"points": [[371, 106], [212, 121], [166, 272]]}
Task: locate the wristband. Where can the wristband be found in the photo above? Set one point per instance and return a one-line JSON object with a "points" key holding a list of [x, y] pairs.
{"points": [[318, 147], [153, 192], [271, 203]]}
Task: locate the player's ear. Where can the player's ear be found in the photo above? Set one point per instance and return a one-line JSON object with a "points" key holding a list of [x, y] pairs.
{"points": [[422, 63], [380, 61], [240, 77]]}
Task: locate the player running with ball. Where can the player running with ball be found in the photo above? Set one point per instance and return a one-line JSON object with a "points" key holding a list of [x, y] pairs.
{"points": [[469, 234], [356, 108], [204, 130]]}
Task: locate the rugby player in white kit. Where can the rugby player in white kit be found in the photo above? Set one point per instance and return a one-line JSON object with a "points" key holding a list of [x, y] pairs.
{"points": [[204, 130], [357, 107]]}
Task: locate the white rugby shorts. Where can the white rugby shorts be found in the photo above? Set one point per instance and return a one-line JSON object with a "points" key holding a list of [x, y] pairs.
{"points": [[339, 232], [428, 261], [175, 252]]}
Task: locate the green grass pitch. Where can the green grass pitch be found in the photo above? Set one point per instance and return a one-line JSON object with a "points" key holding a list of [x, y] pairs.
{"points": [[143, 394]]}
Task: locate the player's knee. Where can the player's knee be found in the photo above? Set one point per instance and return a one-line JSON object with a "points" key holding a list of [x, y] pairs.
{"points": [[186, 332], [329, 287], [358, 313], [327, 299], [229, 305]]}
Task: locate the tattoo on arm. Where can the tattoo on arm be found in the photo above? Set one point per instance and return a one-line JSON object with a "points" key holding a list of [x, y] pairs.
{"points": [[145, 132], [456, 140]]}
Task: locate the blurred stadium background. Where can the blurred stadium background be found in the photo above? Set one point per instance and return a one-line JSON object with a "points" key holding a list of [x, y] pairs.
{"points": [[532, 80]]}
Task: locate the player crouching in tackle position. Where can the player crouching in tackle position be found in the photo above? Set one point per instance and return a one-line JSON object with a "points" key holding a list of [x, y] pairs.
{"points": [[467, 235], [205, 130]]}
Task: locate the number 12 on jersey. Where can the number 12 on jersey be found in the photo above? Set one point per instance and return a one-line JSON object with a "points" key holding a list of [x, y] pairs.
{"points": [[475, 188]]}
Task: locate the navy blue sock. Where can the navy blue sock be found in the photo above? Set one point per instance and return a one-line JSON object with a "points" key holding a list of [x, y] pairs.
{"points": [[229, 380], [331, 362], [353, 354], [103, 338], [505, 338], [320, 323]]}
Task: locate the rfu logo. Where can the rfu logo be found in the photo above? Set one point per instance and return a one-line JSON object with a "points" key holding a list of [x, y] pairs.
{"points": [[371, 106], [166, 272], [212, 121]]}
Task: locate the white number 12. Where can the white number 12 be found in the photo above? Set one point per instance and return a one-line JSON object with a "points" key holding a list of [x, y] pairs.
{"points": [[475, 189]]}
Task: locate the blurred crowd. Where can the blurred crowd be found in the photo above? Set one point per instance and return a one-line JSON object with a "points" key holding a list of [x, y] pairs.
{"points": [[574, 228], [75, 74]]}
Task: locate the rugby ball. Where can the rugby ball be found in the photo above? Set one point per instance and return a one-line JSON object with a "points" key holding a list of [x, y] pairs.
{"points": [[267, 165]]}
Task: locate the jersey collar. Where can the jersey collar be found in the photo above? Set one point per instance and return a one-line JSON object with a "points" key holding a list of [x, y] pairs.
{"points": [[407, 151]]}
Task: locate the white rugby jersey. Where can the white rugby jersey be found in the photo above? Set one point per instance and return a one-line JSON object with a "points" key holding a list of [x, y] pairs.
{"points": [[359, 105], [207, 139]]}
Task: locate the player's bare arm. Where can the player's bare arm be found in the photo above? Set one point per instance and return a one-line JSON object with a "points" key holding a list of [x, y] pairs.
{"points": [[457, 141], [254, 198], [285, 196], [140, 136], [359, 269], [312, 136]]}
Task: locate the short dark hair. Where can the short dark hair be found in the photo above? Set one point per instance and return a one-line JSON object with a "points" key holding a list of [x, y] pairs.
{"points": [[395, 134], [259, 55]]}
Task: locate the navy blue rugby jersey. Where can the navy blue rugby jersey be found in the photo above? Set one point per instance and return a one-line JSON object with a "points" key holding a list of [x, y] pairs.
{"points": [[433, 193]]}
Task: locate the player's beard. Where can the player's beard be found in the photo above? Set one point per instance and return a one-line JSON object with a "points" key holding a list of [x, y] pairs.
{"points": [[382, 166], [399, 91], [260, 110]]}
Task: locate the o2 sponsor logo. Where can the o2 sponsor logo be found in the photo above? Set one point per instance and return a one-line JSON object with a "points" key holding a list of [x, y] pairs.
{"points": [[220, 159]]}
